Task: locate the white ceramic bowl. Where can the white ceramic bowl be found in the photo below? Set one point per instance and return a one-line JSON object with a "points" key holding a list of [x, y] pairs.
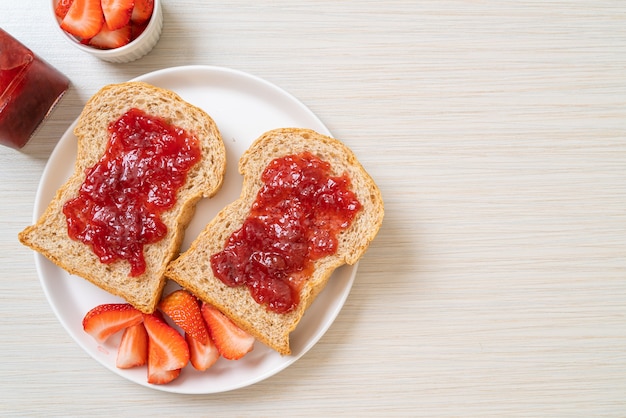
{"points": [[134, 50]]}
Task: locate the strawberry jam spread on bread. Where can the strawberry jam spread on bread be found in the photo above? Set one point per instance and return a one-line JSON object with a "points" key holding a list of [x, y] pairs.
{"points": [[136, 192], [303, 247], [294, 221], [118, 207]]}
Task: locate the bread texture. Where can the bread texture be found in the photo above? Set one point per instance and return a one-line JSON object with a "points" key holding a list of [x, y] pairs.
{"points": [[49, 235], [192, 270]]}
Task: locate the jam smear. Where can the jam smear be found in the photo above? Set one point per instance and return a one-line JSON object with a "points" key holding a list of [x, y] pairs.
{"points": [[294, 221], [119, 205]]}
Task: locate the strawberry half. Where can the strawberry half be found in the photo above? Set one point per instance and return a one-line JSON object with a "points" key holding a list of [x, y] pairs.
{"points": [[167, 350], [142, 11], [62, 7], [109, 39], [232, 342], [105, 320], [117, 12], [136, 29], [84, 18], [133, 349], [183, 308], [201, 356], [161, 377]]}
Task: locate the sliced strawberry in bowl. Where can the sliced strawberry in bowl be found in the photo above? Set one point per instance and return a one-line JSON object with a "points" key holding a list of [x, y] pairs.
{"points": [[105, 320], [136, 29], [61, 8], [232, 342], [183, 308], [133, 349], [117, 13], [110, 39], [117, 31], [142, 11], [83, 19]]}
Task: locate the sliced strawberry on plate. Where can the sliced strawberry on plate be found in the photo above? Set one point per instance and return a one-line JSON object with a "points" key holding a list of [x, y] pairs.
{"points": [[142, 11], [232, 342], [201, 356], [84, 18], [110, 39], [183, 308], [62, 7], [161, 377], [167, 350], [133, 349], [105, 320], [117, 12]]}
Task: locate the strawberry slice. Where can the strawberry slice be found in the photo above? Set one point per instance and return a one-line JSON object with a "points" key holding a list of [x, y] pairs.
{"points": [[232, 342], [167, 350], [62, 7], [84, 18], [142, 11], [201, 356], [117, 12], [133, 349], [161, 377], [109, 39], [183, 308], [136, 29], [105, 320]]}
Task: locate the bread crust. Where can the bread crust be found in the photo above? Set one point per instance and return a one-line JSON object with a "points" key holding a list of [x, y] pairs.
{"points": [[192, 270], [49, 234]]}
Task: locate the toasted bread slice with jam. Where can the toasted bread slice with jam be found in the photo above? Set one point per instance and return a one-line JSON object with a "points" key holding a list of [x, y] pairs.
{"points": [[193, 270], [49, 235]]}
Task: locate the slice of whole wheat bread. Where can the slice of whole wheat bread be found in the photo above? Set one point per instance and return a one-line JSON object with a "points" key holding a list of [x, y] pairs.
{"points": [[49, 235], [192, 270]]}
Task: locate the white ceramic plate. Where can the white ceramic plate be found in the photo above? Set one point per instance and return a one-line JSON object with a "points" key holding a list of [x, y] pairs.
{"points": [[244, 107]]}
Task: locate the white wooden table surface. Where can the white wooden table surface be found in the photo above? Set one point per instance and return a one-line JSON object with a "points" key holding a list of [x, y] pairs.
{"points": [[497, 133]]}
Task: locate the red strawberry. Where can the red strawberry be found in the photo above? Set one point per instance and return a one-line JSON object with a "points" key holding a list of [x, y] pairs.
{"points": [[62, 7], [142, 11], [105, 320], [136, 29], [183, 308], [133, 350], [161, 377], [117, 12], [110, 39], [231, 341], [84, 18], [167, 350], [201, 356]]}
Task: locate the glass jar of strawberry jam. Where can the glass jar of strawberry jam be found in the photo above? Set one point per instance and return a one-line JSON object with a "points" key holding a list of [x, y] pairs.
{"points": [[29, 89]]}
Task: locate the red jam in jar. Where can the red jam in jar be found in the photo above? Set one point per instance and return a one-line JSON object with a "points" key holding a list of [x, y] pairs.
{"points": [[29, 89], [294, 221], [119, 205]]}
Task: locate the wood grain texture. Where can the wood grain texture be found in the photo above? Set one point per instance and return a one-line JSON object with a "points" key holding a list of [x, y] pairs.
{"points": [[497, 134]]}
